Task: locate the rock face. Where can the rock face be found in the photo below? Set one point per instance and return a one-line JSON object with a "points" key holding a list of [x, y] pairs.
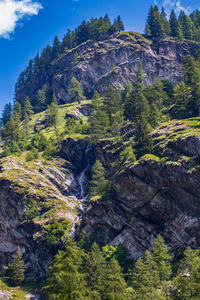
{"points": [[159, 194], [51, 187], [112, 61]]}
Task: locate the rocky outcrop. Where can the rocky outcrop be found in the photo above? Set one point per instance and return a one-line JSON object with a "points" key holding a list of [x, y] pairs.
{"points": [[49, 188], [112, 61], [159, 194]]}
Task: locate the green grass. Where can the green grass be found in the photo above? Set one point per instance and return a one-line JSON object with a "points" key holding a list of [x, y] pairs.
{"points": [[68, 108], [176, 129]]}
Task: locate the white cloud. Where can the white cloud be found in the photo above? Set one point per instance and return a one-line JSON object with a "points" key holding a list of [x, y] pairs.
{"points": [[12, 11], [176, 5]]}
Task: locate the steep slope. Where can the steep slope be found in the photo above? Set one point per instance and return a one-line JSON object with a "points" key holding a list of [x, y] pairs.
{"points": [[111, 61], [157, 194], [33, 196]]}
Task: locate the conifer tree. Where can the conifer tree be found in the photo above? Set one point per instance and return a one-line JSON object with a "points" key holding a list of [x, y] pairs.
{"points": [[52, 113], [192, 80], [114, 285], [145, 277], [27, 109], [99, 184], [16, 269], [174, 25], [155, 24], [139, 81], [95, 268], [120, 25], [144, 143], [17, 111], [64, 279], [182, 96], [162, 258], [99, 123], [111, 103], [154, 115], [75, 91], [41, 98], [187, 281], [6, 114], [55, 48]]}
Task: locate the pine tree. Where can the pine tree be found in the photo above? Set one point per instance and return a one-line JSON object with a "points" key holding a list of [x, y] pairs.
{"points": [[120, 25], [17, 111], [41, 98], [16, 269], [145, 277], [139, 81], [192, 81], [75, 91], [111, 103], [144, 143], [6, 114], [162, 258], [165, 23], [27, 109], [99, 184], [182, 96], [135, 106], [65, 279], [155, 25], [187, 281], [95, 268], [154, 115], [99, 124], [55, 48], [114, 285], [52, 114], [174, 25]]}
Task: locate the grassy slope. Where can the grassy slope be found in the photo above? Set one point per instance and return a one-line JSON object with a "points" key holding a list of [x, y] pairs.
{"points": [[62, 111]]}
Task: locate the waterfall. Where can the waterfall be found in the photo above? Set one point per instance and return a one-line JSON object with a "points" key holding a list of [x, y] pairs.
{"points": [[81, 183], [82, 196], [82, 175]]}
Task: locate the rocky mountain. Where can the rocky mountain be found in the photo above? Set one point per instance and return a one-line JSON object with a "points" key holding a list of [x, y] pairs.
{"points": [[111, 61], [159, 193]]}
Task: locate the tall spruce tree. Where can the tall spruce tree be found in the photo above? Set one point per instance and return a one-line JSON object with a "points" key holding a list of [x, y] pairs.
{"points": [[174, 25], [75, 91], [16, 269], [187, 281], [114, 285], [65, 279], [99, 184], [144, 143]]}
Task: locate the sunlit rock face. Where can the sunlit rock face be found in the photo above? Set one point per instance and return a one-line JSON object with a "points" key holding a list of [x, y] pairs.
{"points": [[111, 61]]}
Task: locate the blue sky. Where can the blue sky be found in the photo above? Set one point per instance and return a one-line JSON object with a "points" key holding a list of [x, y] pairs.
{"points": [[27, 26]]}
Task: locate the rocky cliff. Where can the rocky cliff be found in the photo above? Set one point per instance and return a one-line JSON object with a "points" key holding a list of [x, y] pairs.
{"points": [[159, 194], [111, 61], [32, 197]]}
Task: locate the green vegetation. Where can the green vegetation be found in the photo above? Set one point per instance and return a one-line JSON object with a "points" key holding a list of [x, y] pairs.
{"points": [[32, 131], [183, 27], [95, 29], [97, 274], [16, 269], [99, 184]]}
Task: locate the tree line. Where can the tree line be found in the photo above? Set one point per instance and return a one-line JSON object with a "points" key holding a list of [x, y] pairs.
{"points": [[95, 29], [182, 27], [144, 106], [85, 271]]}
